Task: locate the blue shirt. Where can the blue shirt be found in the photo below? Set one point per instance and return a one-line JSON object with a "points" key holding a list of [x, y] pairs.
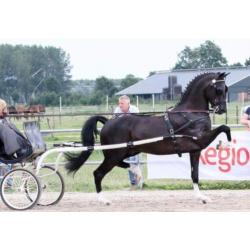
{"points": [[247, 111]]}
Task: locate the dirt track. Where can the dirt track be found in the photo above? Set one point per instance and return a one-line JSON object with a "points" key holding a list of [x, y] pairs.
{"points": [[146, 201]]}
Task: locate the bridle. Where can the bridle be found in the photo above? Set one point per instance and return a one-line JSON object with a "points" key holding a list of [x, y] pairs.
{"points": [[214, 81]]}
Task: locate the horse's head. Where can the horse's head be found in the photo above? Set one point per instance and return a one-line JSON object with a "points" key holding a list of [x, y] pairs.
{"points": [[216, 93]]}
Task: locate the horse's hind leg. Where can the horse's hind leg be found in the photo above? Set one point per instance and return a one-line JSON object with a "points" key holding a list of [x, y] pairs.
{"points": [[99, 174], [194, 160]]}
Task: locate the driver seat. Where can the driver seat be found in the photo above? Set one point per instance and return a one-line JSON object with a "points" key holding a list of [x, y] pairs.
{"points": [[34, 136]]}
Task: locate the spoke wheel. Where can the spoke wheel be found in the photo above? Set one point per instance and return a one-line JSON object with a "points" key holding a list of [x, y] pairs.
{"points": [[52, 186], [20, 189]]}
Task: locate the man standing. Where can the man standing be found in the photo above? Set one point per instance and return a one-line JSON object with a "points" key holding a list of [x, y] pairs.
{"points": [[135, 173], [245, 118]]}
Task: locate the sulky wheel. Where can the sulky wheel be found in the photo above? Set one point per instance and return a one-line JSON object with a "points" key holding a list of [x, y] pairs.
{"points": [[52, 186], [20, 189]]}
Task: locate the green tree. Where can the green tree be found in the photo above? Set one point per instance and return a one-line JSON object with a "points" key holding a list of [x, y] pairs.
{"points": [[238, 64], [51, 84], [151, 73], [128, 81], [105, 86], [30, 69], [187, 59], [207, 55], [247, 62]]}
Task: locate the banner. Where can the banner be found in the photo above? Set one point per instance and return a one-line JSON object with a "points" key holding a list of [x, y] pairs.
{"points": [[231, 163]]}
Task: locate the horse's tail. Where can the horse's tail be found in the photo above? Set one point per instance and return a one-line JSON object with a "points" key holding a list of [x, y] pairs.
{"points": [[75, 161]]}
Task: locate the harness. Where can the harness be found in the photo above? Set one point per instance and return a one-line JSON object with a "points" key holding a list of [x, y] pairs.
{"points": [[169, 125], [173, 132]]}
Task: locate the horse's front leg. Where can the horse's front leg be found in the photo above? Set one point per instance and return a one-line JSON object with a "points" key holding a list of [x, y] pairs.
{"points": [[208, 137], [194, 161], [203, 142]]}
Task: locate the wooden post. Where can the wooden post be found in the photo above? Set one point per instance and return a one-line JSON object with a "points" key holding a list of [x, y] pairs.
{"points": [[60, 104], [60, 110], [107, 103], [153, 101], [237, 114]]}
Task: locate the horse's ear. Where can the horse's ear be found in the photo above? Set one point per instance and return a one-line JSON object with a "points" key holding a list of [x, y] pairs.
{"points": [[222, 75]]}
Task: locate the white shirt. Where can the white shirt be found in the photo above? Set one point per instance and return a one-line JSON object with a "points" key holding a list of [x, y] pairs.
{"points": [[132, 109]]}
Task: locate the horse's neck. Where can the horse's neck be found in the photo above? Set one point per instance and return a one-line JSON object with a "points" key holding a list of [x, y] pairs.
{"points": [[194, 101], [193, 104]]}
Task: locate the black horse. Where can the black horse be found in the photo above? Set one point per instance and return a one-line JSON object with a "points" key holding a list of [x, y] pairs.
{"points": [[190, 118]]}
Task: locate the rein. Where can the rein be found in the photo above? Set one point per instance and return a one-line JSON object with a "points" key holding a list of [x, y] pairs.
{"points": [[210, 111], [191, 111]]}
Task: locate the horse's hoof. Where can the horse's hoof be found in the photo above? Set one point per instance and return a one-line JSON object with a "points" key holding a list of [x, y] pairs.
{"points": [[104, 201], [107, 203], [204, 199]]}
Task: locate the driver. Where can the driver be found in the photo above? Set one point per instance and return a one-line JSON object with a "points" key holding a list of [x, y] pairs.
{"points": [[13, 143]]}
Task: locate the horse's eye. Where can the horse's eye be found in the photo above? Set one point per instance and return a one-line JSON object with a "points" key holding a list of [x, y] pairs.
{"points": [[218, 91]]}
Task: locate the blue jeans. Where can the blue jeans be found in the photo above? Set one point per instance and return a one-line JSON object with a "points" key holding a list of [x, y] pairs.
{"points": [[132, 176]]}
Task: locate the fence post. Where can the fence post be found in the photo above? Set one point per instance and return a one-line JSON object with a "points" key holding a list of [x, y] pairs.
{"points": [[237, 114], [107, 103], [60, 110], [53, 118], [153, 101]]}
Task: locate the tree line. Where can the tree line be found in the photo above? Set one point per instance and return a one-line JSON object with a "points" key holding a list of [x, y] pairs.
{"points": [[40, 75], [207, 55], [33, 73]]}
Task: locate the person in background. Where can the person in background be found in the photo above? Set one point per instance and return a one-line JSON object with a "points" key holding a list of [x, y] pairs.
{"points": [[135, 173], [12, 142], [245, 117]]}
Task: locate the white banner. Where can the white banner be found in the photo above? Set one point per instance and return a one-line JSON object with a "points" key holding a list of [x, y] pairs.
{"points": [[224, 164]]}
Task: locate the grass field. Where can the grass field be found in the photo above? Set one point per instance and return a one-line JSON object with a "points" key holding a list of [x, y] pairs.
{"points": [[118, 178]]}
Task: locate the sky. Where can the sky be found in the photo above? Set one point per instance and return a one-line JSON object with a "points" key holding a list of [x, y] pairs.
{"points": [[115, 58], [115, 38]]}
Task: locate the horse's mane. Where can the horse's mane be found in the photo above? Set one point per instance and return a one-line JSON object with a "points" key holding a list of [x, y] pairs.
{"points": [[193, 84]]}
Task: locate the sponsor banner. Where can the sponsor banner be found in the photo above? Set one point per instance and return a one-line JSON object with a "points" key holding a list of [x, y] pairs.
{"points": [[232, 163]]}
